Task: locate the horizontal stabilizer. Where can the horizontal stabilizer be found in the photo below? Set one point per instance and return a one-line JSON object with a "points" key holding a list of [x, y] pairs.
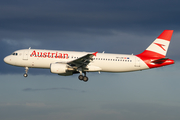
{"points": [[159, 61]]}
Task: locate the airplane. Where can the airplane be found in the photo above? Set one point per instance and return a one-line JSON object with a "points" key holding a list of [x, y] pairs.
{"points": [[67, 63]]}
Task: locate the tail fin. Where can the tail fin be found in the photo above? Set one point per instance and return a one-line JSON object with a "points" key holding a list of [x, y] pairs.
{"points": [[160, 46]]}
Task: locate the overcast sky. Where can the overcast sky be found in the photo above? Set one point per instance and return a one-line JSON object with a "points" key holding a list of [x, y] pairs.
{"points": [[113, 26]]}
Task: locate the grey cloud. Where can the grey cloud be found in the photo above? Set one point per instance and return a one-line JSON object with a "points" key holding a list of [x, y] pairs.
{"points": [[47, 89], [27, 111], [148, 111], [127, 111], [33, 18], [81, 15]]}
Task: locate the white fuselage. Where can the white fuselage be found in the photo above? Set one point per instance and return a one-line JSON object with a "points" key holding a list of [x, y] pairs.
{"points": [[38, 58]]}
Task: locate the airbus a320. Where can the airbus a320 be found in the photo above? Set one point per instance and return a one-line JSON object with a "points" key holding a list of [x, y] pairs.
{"points": [[67, 63]]}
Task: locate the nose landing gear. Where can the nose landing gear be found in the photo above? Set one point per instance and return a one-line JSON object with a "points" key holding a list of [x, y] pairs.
{"points": [[26, 70]]}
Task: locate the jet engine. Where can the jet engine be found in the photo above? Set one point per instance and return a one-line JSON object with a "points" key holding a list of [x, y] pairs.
{"points": [[58, 68], [61, 69]]}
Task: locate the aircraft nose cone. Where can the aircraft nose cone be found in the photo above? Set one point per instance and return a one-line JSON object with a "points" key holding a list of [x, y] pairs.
{"points": [[5, 60]]}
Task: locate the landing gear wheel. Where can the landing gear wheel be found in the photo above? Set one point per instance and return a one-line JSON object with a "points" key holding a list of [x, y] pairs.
{"points": [[26, 70], [25, 75], [81, 77], [85, 79]]}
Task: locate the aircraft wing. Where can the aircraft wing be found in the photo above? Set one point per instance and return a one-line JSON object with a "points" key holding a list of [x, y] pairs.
{"points": [[82, 61]]}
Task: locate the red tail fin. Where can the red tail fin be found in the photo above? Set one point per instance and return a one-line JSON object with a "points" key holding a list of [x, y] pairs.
{"points": [[160, 46], [154, 55]]}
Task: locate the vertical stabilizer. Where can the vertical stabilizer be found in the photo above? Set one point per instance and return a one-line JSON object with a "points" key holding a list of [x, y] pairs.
{"points": [[160, 46]]}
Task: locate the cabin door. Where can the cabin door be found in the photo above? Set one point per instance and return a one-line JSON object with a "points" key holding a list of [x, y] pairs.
{"points": [[25, 54]]}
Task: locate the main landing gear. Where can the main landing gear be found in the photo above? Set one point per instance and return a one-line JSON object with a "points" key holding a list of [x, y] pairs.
{"points": [[26, 70], [83, 78]]}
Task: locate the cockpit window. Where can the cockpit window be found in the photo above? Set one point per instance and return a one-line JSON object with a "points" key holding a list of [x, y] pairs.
{"points": [[15, 54]]}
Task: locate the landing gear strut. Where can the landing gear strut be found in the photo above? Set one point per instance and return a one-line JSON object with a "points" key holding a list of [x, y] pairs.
{"points": [[26, 70], [84, 78]]}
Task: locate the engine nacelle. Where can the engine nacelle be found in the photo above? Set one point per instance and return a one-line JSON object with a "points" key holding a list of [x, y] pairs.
{"points": [[58, 68]]}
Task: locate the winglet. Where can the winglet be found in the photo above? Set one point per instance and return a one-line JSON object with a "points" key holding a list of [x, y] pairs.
{"points": [[95, 53]]}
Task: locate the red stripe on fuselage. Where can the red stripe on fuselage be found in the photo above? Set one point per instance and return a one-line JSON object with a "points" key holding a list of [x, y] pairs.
{"points": [[152, 54]]}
